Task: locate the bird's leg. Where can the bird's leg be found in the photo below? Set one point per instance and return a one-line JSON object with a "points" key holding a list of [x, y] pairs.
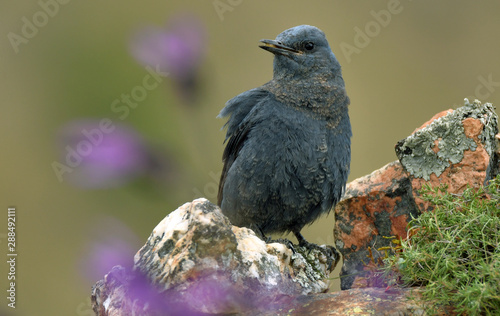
{"points": [[309, 246], [332, 255], [258, 231], [302, 241]]}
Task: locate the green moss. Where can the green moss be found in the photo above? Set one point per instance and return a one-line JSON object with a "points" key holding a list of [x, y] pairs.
{"points": [[454, 251], [418, 155]]}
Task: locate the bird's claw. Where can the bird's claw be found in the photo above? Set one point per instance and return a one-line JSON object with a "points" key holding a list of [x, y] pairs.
{"points": [[283, 241]]}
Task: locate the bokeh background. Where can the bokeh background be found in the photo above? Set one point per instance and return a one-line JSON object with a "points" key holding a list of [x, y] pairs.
{"points": [[403, 61]]}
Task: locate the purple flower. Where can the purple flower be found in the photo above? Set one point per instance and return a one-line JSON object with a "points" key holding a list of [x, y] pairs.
{"points": [[110, 243], [179, 49], [215, 294], [209, 295], [98, 157]]}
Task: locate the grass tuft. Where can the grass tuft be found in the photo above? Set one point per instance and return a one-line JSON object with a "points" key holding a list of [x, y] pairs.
{"points": [[454, 250]]}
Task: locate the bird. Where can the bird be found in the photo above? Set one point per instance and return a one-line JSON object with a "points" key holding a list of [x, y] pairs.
{"points": [[288, 142]]}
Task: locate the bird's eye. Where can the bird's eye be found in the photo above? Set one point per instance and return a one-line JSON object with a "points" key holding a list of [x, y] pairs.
{"points": [[309, 45]]}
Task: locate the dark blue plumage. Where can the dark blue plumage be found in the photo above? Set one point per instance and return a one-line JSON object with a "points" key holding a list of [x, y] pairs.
{"points": [[287, 156]]}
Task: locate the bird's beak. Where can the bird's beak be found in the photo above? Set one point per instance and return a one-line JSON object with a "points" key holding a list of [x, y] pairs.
{"points": [[278, 48]]}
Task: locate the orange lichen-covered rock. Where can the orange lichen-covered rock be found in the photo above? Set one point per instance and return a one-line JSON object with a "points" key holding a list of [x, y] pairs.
{"points": [[457, 148], [374, 207]]}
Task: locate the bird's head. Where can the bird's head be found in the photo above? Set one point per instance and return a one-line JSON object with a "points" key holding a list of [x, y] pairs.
{"points": [[303, 52]]}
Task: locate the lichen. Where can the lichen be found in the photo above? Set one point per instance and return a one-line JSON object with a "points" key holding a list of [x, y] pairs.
{"points": [[490, 129], [417, 152]]}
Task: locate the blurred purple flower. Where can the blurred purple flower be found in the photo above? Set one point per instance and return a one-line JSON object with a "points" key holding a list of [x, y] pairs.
{"points": [[110, 243], [179, 49], [110, 251], [210, 295], [103, 158], [213, 293]]}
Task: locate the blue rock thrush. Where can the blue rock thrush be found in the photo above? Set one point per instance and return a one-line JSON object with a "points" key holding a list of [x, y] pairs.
{"points": [[288, 148]]}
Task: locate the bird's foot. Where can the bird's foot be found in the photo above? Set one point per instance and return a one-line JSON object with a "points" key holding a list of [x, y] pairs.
{"points": [[258, 231], [331, 254], [283, 241]]}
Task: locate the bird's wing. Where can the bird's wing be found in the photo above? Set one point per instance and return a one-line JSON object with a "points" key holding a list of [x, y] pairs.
{"points": [[338, 163], [239, 108]]}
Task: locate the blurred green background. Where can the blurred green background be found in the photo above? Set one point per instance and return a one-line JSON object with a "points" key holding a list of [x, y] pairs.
{"points": [[422, 58]]}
